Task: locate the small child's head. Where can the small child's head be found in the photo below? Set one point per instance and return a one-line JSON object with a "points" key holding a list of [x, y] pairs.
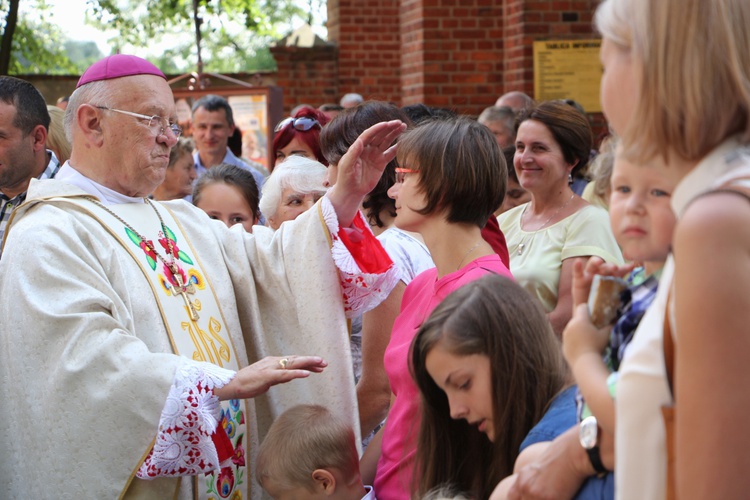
{"points": [[309, 453], [640, 212], [229, 194]]}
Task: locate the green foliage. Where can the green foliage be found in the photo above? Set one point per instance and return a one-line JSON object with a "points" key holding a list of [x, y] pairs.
{"points": [[37, 44], [235, 34]]}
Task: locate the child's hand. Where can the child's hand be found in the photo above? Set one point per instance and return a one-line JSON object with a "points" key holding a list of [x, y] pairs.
{"points": [[581, 336], [584, 275]]}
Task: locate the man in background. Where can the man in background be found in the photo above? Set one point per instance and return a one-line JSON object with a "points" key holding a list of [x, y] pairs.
{"points": [[515, 100], [351, 100], [213, 125], [24, 123]]}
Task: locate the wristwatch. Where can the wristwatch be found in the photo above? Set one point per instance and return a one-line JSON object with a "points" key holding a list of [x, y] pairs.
{"points": [[588, 435]]}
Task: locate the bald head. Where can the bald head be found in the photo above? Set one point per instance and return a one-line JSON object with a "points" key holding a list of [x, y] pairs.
{"points": [[515, 100]]}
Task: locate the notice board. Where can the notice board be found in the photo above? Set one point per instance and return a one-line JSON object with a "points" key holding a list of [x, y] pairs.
{"points": [[568, 69]]}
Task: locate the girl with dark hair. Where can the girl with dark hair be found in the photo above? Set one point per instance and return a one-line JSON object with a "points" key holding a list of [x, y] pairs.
{"points": [[492, 381], [229, 194], [299, 135]]}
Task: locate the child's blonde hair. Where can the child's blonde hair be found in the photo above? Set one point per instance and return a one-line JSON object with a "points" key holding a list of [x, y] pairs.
{"points": [[303, 439]]}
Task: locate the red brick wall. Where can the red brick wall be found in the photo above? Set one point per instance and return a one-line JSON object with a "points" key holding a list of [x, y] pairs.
{"points": [[307, 75], [452, 55], [527, 21], [369, 42], [459, 55]]}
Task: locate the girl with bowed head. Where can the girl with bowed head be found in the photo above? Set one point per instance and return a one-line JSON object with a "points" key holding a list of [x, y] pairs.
{"points": [[448, 184], [299, 135], [676, 90], [547, 235], [492, 381]]}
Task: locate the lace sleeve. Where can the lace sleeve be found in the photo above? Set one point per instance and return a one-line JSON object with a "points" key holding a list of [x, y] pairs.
{"points": [[185, 442], [366, 271]]}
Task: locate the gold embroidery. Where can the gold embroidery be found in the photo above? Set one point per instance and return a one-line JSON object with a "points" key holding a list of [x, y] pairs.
{"points": [[208, 346]]}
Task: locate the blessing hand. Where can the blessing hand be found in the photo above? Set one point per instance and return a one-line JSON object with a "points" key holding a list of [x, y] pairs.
{"points": [[257, 378], [361, 167]]}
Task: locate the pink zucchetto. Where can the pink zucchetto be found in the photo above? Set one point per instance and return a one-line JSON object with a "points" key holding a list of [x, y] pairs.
{"points": [[117, 66]]}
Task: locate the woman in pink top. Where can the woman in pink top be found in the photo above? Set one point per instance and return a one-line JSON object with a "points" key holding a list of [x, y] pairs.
{"points": [[451, 179]]}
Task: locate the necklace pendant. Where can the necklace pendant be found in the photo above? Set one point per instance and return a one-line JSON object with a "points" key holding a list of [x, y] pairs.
{"points": [[183, 289], [520, 248]]}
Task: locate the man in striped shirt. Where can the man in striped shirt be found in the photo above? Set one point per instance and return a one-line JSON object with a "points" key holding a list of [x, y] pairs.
{"points": [[24, 122]]}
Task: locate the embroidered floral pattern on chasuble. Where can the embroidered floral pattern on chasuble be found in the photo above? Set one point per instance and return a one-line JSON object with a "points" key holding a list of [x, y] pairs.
{"points": [[190, 441]]}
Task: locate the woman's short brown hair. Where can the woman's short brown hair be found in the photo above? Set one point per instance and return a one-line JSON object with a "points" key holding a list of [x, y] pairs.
{"points": [[569, 127], [462, 169], [692, 64]]}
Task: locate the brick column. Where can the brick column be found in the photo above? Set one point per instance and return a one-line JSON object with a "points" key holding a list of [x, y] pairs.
{"points": [[452, 55], [367, 35]]}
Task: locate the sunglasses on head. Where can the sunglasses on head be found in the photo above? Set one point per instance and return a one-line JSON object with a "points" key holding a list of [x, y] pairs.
{"points": [[302, 124]]}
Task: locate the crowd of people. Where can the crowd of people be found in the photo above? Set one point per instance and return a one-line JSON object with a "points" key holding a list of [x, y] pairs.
{"points": [[407, 304]]}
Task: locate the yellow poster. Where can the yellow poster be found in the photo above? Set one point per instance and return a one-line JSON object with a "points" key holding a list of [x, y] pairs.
{"points": [[250, 116], [568, 69]]}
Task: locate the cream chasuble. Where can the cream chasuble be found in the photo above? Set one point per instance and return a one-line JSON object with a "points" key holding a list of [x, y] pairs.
{"points": [[87, 360], [195, 324]]}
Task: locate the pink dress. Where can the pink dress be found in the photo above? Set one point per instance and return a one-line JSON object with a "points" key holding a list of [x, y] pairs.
{"points": [[394, 474]]}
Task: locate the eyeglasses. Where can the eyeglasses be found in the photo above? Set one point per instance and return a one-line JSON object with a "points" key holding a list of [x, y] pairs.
{"points": [[302, 124], [157, 124], [400, 172]]}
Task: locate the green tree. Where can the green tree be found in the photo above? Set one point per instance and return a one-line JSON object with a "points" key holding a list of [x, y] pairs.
{"points": [[32, 44], [234, 34]]}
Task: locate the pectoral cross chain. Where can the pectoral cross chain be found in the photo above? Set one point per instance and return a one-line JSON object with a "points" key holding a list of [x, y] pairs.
{"points": [[184, 289]]}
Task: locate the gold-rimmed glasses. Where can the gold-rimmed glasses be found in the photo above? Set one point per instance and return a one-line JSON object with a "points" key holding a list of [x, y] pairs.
{"points": [[156, 123]]}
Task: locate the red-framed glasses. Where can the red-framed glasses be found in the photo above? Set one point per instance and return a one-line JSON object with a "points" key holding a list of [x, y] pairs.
{"points": [[303, 123], [401, 172]]}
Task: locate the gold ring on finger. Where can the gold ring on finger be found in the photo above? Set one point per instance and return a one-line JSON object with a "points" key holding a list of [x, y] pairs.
{"points": [[283, 362]]}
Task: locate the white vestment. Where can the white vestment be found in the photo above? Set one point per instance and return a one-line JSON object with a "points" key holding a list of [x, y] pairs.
{"points": [[86, 362]]}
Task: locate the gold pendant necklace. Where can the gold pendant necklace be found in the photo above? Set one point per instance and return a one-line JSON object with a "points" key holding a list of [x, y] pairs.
{"points": [[522, 246], [179, 286]]}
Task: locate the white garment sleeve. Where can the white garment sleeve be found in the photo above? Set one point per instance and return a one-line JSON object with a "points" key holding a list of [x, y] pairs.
{"points": [[362, 291], [184, 445]]}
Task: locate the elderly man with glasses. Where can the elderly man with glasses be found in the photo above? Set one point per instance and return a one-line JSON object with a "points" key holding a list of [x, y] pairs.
{"points": [[140, 339]]}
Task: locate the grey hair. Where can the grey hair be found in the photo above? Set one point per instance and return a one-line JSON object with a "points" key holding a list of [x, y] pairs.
{"points": [[503, 114], [351, 98], [297, 173], [97, 93]]}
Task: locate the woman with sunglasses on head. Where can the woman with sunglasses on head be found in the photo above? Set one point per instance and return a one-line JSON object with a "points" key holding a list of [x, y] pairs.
{"points": [[299, 135], [448, 184]]}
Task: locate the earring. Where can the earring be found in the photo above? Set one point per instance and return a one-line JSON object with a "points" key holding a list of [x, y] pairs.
{"points": [[570, 178]]}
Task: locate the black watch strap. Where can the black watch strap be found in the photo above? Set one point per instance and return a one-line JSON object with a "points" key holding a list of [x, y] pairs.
{"points": [[596, 460]]}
